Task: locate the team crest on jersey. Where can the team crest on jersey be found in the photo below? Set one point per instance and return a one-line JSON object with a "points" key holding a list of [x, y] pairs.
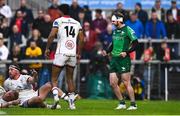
{"points": [[69, 44]]}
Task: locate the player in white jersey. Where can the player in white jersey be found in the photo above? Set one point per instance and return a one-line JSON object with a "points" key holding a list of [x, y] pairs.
{"points": [[22, 83], [17, 81], [67, 30], [9, 98]]}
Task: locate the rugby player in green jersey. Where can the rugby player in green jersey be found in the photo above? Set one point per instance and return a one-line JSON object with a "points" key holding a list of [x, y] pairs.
{"points": [[124, 42]]}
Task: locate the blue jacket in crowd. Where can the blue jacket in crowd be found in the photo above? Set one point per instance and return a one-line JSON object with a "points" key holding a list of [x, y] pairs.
{"points": [[158, 32], [137, 26]]}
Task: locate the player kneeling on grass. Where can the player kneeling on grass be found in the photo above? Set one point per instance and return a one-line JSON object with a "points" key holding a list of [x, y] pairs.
{"points": [[124, 42]]}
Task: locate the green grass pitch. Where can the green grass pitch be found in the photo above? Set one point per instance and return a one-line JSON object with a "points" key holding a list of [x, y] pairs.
{"points": [[102, 107]]}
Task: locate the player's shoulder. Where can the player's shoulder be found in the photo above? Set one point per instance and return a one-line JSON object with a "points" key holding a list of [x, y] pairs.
{"points": [[24, 76], [74, 20], [129, 28]]}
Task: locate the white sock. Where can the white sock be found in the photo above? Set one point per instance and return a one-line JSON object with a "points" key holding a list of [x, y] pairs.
{"points": [[64, 96], [55, 93], [72, 96]]}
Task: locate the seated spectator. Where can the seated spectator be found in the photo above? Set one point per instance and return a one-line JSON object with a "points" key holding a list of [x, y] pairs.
{"points": [[38, 22], [21, 23], [53, 10], [89, 40], [27, 12], [99, 24], [16, 38], [34, 52], [36, 36], [5, 9], [46, 26], [119, 8], [160, 11], [172, 27], [16, 54], [106, 37], [155, 28], [174, 11], [142, 14], [3, 56], [135, 24], [75, 9]]}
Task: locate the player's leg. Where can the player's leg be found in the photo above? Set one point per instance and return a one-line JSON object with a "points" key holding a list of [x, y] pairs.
{"points": [[114, 84], [37, 101], [126, 78], [71, 86], [54, 79]]}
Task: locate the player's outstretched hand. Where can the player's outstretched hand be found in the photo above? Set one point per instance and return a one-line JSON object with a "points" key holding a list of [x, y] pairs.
{"points": [[47, 52]]}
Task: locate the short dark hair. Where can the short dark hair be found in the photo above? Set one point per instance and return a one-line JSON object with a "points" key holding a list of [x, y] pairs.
{"points": [[16, 94], [139, 4], [98, 11], [64, 8], [173, 1], [117, 13]]}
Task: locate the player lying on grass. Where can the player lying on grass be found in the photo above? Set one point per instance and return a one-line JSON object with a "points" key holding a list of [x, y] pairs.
{"points": [[8, 98], [32, 99], [23, 84]]}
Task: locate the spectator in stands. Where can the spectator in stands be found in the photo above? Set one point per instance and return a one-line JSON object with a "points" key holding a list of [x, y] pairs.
{"points": [[81, 17], [148, 55], [34, 52], [88, 13], [5, 9], [46, 26], [36, 36], [99, 24], [160, 11], [21, 23], [172, 27], [155, 28], [53, 10], [142, 14], [89, 40], [38, 22], [135, 24], [16, 54], [106, 37], [119, 8], [161, 57], [16, 38], [75, 9], [4, 27], [3, 56], [27, 12], [174, 11]]}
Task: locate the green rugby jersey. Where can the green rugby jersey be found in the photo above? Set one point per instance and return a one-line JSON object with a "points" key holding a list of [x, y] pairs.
{"points": [[122, 39]]}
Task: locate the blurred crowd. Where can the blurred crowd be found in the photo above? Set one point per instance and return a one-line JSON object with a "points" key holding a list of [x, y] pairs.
{"points": [[26, 35]]}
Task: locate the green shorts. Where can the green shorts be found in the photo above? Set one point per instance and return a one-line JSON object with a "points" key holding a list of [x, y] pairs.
{"points": [[120, 65]]}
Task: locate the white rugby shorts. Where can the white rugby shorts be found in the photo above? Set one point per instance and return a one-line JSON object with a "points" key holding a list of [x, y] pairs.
{"points": [[63, 59]]}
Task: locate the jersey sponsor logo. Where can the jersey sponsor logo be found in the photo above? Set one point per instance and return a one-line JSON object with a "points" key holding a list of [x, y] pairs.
{"points": [[69, 44], [123, 68], [55, 23], [122, 32]]}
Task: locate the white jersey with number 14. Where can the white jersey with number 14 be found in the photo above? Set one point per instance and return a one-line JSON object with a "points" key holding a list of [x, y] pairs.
{"points": [[68, 29]]}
